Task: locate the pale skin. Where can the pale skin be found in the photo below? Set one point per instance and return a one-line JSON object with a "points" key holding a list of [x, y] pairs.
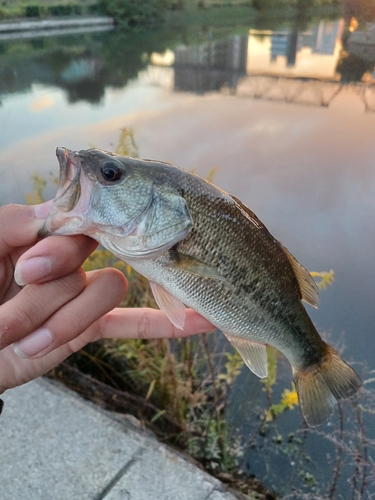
{"points": [[50, 308]]}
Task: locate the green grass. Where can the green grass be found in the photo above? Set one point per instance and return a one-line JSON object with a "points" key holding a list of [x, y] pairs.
{"points": [[10, 9], [45, 3]]}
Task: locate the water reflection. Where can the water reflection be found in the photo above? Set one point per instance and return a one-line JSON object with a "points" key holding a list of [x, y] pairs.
{"points": [[312, 53], [280, 111], [83, 66], [307, 67], [295, 66], [212, 66]]}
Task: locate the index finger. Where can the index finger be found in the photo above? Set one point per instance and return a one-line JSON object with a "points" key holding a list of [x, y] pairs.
{"points": [[20, 225], [148, 323]]}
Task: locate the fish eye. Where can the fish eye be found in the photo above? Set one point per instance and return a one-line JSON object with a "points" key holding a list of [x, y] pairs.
{"points": [[111, 171]]}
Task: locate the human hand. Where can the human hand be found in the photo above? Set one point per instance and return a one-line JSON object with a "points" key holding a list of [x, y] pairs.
{"points": [[50, 308]]}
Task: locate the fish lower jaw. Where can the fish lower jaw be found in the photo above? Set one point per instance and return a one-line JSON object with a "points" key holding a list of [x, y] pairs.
{"points": [[65, 226]]}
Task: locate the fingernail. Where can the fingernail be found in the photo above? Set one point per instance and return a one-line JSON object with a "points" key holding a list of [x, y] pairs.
{"points": [[32, 270], [41, 211], [33, 344]]}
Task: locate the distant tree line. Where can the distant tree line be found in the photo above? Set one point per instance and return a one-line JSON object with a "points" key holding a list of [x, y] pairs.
{"points": [[36, 9], [151, 12]]}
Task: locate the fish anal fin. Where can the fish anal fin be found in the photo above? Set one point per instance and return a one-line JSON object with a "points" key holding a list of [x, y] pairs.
{"points": [[253, 354], [173, 308], [307, 285], [320, 385], [192, 265]]}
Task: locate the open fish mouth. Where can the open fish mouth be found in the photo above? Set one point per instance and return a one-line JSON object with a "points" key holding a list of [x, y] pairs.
{"points": [[69, 188], [72, 198]]}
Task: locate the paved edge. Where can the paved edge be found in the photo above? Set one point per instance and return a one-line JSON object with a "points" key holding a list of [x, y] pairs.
{"points": [[55, 442]]}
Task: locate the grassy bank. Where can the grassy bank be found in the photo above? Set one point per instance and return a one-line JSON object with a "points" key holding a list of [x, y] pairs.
{"points": [[10, 9], [154, 12]]}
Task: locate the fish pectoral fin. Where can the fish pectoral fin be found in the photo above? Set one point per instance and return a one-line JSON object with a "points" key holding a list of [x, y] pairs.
{"points": [[307, 285], [193, 265], [253, 354], [173, 308]]}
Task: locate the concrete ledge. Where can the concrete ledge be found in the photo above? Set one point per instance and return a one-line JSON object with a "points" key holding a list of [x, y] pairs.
{"points": [[44, 24], [56, 445]]}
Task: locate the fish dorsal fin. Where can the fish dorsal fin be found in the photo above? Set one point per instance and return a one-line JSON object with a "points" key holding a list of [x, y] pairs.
{"points": [[173, 308], [192, 265], [254, 355], [249, 214], [307, 285]]}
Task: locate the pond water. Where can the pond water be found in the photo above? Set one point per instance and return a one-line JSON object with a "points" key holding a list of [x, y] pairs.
{"points": [[285, 109]]}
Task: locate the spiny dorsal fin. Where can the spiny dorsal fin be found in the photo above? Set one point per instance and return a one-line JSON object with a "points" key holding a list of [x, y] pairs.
{"points": [[254, 355], [249, 214], [307, 285]]}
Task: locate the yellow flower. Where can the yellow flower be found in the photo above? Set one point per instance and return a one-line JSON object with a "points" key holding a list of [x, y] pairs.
{"points": [[289, 398], [326, 278]]}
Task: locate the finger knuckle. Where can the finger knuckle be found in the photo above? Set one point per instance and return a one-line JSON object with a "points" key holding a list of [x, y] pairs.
{"points": [[73, 283], [27, 319], [74, 322], [143, 326]]}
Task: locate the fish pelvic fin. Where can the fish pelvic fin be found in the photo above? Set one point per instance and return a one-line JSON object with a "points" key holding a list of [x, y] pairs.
{"points": [[320, 385], [174, 309]]}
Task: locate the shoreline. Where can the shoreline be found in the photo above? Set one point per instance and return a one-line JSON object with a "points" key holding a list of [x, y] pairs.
{"points": [[22, 25], [22, 29]]}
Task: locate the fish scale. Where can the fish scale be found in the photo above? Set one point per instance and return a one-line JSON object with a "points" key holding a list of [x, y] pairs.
{"points": [[242, 267], [202, 248]]}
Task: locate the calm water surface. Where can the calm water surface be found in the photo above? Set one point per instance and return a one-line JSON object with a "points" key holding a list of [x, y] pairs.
{"points": [[274, 109]]}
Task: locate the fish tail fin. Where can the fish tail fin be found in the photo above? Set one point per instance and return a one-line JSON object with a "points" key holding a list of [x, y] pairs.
{"points": [[320, 385]]}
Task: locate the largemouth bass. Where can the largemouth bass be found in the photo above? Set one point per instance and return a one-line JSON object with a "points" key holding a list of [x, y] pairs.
{"points": [[202, 248]]}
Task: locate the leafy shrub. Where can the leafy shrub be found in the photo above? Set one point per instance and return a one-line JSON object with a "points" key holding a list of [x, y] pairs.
{"points": [[33, 11], [60, 10], [134, 13]]}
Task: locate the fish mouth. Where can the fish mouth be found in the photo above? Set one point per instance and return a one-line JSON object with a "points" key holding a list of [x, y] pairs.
{"points": [[68, 204], [69, 188]]}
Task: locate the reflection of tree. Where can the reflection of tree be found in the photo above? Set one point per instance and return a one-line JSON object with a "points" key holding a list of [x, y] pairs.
{"points": [[85, 90], [353, 62], [57, 59], [126, 53], [352, 68], [83, 66], [298, 14]]}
